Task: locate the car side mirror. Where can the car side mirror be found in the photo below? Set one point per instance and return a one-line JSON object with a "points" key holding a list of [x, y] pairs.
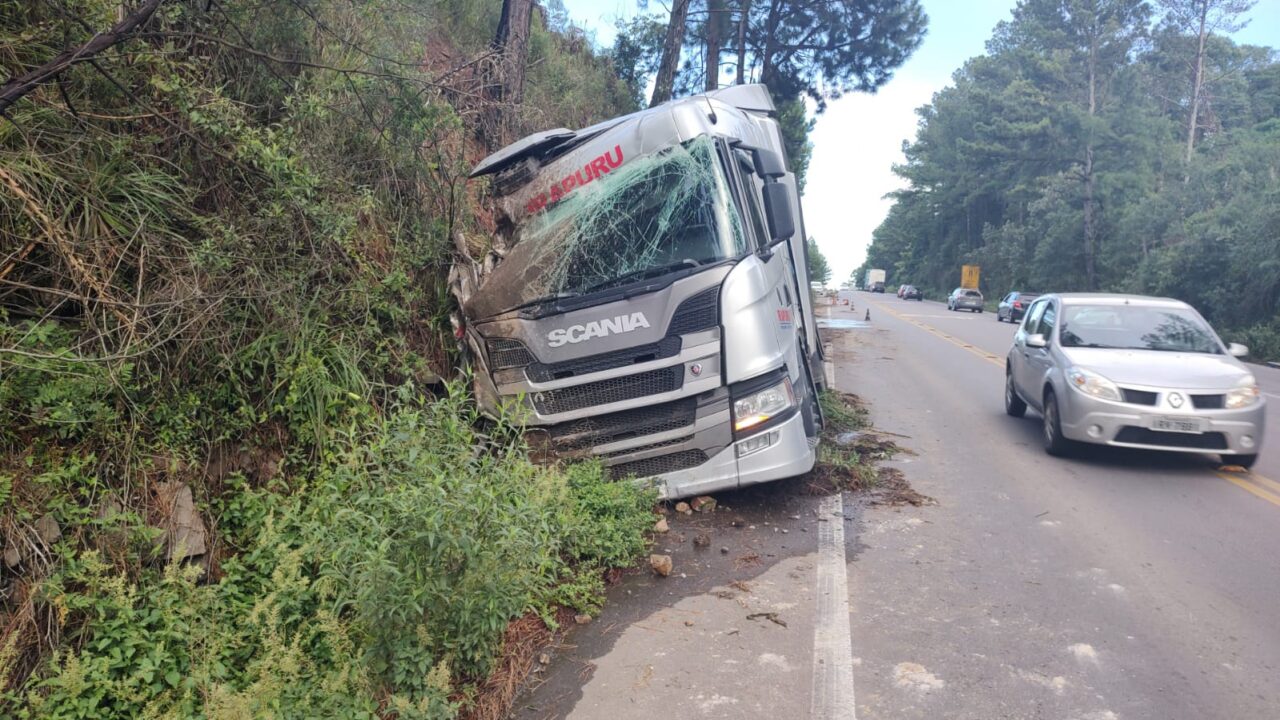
{"points": [[1036, 340], [1238, 350], [777, 212]]}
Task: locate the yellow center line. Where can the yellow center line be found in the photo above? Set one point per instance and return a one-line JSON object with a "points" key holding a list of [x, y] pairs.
{"points": [[1242, 481], [993, 359], [1265, 482], [1255, 483]]}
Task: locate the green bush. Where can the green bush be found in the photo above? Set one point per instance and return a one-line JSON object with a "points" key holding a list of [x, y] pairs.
{"points": [[231, 235], [390, 575]]}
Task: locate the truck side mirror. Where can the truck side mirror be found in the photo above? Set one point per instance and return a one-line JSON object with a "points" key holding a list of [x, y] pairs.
{"points": [[768, 163], [777, 212]]}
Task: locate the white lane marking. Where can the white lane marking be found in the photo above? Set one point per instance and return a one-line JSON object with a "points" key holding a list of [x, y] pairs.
{"points": [[832, 697]]}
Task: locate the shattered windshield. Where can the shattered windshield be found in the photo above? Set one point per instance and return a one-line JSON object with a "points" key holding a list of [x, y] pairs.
{"points": [[646, 218]]}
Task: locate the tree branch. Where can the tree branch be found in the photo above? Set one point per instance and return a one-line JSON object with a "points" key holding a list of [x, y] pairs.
{"points": [[17, 87]]}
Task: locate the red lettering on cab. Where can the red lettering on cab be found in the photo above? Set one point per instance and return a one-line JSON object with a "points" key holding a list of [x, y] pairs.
{"points": [[597, 167]]}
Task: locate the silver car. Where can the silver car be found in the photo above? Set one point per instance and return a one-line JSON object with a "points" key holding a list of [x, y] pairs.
{"points": [[1135, 372], [966, 298]]}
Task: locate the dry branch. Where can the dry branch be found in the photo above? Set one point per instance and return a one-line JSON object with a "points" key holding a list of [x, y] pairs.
{"points": [[17, 87]]}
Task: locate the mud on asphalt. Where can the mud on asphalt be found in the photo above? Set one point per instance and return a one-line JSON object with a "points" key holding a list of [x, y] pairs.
{"points": [[719, 551]]}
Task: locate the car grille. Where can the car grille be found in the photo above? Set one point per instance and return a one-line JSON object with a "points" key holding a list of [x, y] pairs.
{"points": [[614, 427], [506, 353], [1139, 397], [700, 311], [1146, 436], [1209, 402], [665, 348], [603, 392], [649, 467]]}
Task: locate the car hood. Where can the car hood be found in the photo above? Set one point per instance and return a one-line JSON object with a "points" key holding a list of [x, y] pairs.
{"points": [[1191, 371]]}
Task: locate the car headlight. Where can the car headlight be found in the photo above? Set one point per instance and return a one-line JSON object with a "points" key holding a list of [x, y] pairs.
{"points": [[1244, 394], [1091, 383], [760, 406]]}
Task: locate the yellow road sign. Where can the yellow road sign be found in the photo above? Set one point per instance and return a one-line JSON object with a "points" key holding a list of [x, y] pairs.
{"points": [[969, 276]]}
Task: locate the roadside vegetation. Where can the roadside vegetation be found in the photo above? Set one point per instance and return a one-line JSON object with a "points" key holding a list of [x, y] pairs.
{"points": [[1117, 146], [235, 480]]}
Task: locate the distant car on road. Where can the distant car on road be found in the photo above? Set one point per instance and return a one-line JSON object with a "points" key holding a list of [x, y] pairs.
{"points": [[910, 292], [1014, 306], [876, 287], [1136, 372], [965, 298]]}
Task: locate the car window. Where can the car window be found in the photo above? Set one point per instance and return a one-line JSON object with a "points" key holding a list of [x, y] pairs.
{"points": [[1032, 321], [1048, 321], [972, 293], [1137, 327]]}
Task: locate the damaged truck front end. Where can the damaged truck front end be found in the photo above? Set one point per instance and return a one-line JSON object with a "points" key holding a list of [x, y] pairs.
{"points": [[646, 300]]}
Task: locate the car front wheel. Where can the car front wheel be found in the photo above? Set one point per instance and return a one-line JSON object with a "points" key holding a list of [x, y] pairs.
{"points": [[1013, 405], [1055, 443]]}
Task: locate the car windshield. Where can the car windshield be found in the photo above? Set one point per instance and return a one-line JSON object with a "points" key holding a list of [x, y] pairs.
{"points": [[1137, 327], [655, 215], [972, 293]]}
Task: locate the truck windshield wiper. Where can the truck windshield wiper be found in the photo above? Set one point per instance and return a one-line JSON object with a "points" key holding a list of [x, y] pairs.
{"points": [[643, 273], [545, 299]]}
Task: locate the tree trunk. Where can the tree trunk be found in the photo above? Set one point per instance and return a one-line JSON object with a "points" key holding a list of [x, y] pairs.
{"points": [[512, 41], [770, 43], [1090, 223], [1197, 83], [742, 40], [715, 26], [671, 47]]}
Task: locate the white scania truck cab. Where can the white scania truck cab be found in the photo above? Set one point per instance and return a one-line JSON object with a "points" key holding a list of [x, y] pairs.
{"points": [[652, 307]]}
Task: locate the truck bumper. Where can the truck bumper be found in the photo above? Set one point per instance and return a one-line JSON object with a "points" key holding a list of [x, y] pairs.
{"points": [[787, 454]]}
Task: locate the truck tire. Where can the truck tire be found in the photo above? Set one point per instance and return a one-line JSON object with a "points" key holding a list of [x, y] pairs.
{"points": [[809, 409]]}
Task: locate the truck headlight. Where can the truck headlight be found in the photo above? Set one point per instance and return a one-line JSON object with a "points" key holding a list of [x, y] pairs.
{"points": [[1091, 383], [761, 405], [1244, 394]]}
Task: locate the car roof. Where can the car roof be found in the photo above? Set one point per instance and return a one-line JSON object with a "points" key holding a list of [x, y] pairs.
{"points": [[1118, 299]]}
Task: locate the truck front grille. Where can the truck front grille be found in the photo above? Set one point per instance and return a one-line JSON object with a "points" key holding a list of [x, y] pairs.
{"points": [[651, 446], [700, 311], [506, 353], [664, 348], [603, 392], [649, 467], [604, 429]]}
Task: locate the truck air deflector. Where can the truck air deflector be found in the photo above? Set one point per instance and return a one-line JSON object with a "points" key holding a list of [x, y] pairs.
{"points": [[511, 154]]}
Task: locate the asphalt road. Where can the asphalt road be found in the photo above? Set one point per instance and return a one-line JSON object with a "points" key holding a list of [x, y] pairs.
{"points": [[1118, 583], [1113, 585]]}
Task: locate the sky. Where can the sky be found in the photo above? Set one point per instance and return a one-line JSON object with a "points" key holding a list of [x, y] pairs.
{"points": [[859, 138]]}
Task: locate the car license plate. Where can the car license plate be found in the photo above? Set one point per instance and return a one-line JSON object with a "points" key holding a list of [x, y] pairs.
{"points": [[1175, 424]]}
